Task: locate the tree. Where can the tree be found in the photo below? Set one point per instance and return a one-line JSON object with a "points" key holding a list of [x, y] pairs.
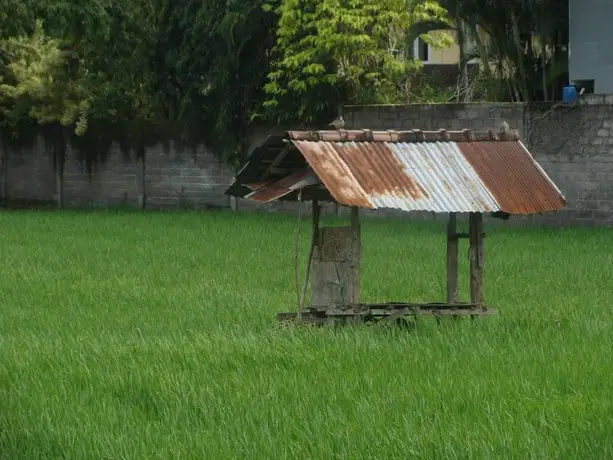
{"points": [[528, 40], [39, 84], [330, 52], [213, 61]]}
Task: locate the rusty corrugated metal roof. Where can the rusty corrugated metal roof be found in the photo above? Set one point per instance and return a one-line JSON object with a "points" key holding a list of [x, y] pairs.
{"points": [[270, 191], [440, 171], [512, 176]]}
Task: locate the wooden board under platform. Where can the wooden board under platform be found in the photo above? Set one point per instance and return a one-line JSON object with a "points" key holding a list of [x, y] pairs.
{"points": [[384, 313]]}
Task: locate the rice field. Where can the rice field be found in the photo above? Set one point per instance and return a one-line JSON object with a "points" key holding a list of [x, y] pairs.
{"points": [[152, 335]]}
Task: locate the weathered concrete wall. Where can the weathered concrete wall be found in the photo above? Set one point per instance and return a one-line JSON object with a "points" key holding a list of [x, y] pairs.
{"points": [[28, 174], [187, 179], [573, 144], [435, 116]]}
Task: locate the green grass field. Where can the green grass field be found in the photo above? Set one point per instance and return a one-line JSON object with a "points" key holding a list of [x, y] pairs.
{"points": [[126, 335]]}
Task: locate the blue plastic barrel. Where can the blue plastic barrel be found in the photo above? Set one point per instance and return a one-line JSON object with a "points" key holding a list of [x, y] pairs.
{"points": [[569, 94]]}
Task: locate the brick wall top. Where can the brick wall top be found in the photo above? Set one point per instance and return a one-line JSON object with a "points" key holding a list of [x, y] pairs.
{"points": [[596, 99], [474, 116]]}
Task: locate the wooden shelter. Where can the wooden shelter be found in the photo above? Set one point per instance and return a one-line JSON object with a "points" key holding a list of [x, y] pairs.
{"points": [[441, 171]]}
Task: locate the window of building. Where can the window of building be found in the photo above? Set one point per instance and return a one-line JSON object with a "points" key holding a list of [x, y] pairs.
{"points": [[421, 50]]}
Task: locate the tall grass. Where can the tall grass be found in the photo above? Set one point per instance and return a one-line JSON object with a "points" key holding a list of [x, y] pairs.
{"points": [[152, 336]]}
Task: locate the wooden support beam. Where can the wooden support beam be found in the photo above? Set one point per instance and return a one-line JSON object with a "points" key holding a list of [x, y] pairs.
{"points": [[315, 232], [276, 162], [465, 235], [316, 216], [354, 291], [475, 230], [452, 259]]}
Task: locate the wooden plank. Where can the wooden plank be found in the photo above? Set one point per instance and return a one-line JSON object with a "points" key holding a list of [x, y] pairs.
{"points": [[396, 306], [314, 233], [354, 288], [413, 312], [336, 262], [308, 319], [441, 312], [476, 257], [386, 315], [277, 161], [395, 315], [452, 259], [331, 271]]}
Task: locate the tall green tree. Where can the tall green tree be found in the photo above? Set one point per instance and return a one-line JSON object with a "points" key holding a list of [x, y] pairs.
{"points": [[330, 52], [213, 61]]}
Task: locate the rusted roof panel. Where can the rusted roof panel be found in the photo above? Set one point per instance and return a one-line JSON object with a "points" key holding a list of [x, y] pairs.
{"points": [[516, 181], [334, 173], [276, 189], [411, 177]]}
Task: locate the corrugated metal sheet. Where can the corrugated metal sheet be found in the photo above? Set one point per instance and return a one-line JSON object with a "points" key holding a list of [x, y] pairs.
{"points": [[274, 190], [432, 176], [440, 171], [453, 185], [513, 177]]}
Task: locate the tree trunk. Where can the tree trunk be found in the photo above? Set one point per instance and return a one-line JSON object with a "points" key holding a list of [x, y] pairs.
{"points": [[544, 73], [482, 49], [452, 259], [523, 76], [463, 94], [476, 257]]}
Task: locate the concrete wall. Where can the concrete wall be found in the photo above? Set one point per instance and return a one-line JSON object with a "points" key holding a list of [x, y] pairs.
{"points": [[591, 43], [573, 144], [188, 179]]}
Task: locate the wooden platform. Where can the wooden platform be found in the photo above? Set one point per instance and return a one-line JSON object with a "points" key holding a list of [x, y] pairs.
{"points": [[384, 313]]}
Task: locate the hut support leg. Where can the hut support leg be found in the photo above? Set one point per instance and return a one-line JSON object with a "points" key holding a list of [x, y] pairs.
{"points": [[452, 259], [476, 257], [316, 214], [354, 290]]}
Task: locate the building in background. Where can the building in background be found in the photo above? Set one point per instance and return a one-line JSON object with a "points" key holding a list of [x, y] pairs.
{"points": [[443, 64], [591, 45]]}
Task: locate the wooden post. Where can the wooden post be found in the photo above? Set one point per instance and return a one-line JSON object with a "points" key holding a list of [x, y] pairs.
{"points": [[316, 214], [452, 259], [354, 291], [476, 257]]}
